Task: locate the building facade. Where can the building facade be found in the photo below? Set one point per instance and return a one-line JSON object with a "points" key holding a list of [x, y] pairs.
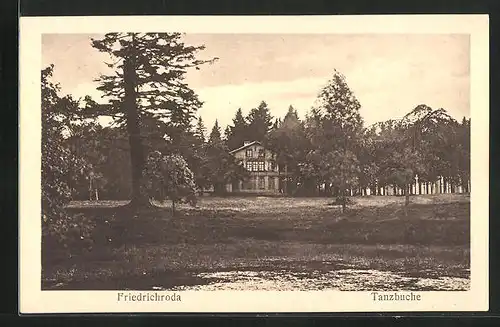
{"points": [[265, 174]]}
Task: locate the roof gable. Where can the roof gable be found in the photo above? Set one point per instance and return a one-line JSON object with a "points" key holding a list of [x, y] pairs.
{"points": [[245, 146]]}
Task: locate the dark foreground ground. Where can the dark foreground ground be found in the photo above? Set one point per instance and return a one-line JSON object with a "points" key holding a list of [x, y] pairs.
{"points": [[271, 244]]}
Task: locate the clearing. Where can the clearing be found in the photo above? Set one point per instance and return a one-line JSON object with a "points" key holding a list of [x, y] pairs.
{"points": [[259, 243]]}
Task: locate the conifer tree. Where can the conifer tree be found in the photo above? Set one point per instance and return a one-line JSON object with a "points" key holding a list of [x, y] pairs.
{"points": [[260, 122], [223, 168], [200, 130], [287, 140], [148, 81], [238, 132]]}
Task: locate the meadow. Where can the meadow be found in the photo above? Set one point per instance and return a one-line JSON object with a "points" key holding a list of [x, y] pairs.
{"points": [[270, 243]]}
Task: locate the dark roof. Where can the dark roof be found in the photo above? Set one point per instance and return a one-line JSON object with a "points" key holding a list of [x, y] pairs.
{"points": [[245, 146]]}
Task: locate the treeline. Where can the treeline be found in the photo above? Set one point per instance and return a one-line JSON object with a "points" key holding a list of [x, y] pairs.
{"points": [[332, 153], [107, 151], [327, 152]]}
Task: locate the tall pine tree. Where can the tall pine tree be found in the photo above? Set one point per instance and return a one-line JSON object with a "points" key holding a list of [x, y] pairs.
{"points": [[260, 122], [222, 167], [287, 140], [215, 138], [200, 130], [148, 82], [238, 132]]}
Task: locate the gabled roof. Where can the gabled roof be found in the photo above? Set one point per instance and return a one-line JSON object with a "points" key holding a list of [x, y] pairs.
{"points": [[245, 146]]}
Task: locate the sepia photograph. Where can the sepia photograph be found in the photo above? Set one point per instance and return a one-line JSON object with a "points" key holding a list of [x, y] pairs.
{"points": [[175, 161]]}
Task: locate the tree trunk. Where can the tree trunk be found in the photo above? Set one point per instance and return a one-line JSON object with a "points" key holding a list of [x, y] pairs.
{"points": [[286, 180], [279, 179], [90, 188], [344, 199], [219, 188], [328, 190], [407, 198], [138, 199], [173, 207]]}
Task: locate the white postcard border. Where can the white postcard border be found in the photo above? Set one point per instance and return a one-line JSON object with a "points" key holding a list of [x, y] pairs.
{"points": [[34, 300]]}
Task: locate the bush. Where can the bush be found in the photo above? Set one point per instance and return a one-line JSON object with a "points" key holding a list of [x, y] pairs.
{"points": [[169, 177], [339, 200], [59, 168]]}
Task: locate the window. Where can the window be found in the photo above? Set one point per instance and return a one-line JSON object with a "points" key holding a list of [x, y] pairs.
{"points": [[261, 153], [249, 153], [272, 166], [255, 165], [261, 165]]}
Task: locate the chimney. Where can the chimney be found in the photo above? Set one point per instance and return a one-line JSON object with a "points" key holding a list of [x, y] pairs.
{"points": [[246, 142]]}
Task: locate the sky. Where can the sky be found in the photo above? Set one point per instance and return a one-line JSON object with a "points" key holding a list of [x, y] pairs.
{"points": [[389, 74]]}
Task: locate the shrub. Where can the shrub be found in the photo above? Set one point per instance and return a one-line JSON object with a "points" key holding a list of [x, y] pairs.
{"points": [[169, 177]]}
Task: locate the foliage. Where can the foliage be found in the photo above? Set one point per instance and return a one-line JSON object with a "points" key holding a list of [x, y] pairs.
{"points": [[328, 153], [220, 166], [259, 122], [238, 132], [200, 130], [148, 84], [424, 145], [169, 177], [368, 164], [59, 167], [463, 153], [287, 139], [85, 141], [337, 134]]}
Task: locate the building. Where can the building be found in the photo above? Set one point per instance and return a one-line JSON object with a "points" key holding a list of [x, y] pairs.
{"points": [[265, 174]]}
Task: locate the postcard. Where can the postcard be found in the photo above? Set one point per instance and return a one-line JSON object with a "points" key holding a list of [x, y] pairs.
{"points": [[254, 164]]}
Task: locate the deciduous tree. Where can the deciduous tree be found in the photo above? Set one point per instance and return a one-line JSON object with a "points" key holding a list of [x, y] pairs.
{"points": [[59, 164], [169, 177], [339, 132]]}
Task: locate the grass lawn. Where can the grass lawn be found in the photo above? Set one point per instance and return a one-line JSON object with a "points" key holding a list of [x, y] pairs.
{"points": [[270, 238]]}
